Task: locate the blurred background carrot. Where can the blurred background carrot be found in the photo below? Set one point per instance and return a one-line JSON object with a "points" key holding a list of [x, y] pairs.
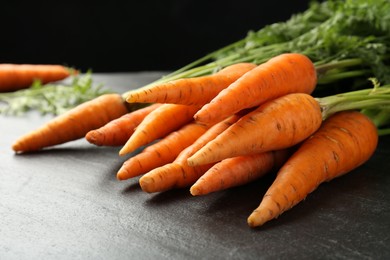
{"points": [[17, 76]]}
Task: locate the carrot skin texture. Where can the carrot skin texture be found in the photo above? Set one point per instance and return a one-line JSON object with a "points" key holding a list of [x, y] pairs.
{"points": [[344, 142], [281, 75], [73, 124], [171, 176], [118, 131], [18, 76], [157, 124], [238, 171], [191, 91], [277, 124], [211, 133], [163, 152]]}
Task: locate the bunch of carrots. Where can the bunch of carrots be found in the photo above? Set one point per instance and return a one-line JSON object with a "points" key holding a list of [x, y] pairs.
{"points": [[217, 131], [252, 108]]}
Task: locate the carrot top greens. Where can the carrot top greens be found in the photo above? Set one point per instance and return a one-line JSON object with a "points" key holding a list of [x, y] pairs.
{"points": [[374, 102], [51, 98], [345, 39]]}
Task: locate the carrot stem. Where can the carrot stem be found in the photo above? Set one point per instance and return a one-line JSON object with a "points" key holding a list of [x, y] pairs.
{"points": [[377, 97]]}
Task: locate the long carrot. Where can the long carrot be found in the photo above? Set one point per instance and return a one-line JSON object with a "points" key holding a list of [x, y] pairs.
{"points": [[190, 91], [281, 75], [73, 124], [345, 141], [162, 152], [275, 125], [157, 124], [17, 76], [118, 131], [237, 171]]}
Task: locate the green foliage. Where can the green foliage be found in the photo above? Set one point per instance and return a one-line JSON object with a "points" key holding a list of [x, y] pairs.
{"points": [[51, 98], [327, 32]]}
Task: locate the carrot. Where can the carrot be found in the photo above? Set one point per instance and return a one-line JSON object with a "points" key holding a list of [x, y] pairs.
{"points": [[275, 125], [345, 141], [118, 131], [73, 124], [190, 91], [161, 152], [17, 76], [157, 124], [170, 176], [281, 75], [237, 171]]}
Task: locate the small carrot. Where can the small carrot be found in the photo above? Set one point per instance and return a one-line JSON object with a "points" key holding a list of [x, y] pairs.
{"points": [[161, 152], [275, 125], [281, 75], [118, 131], [237, 171], [170, 176], [18, 76], [345, 141], [190, 91], [73, 124], [157, 124]]}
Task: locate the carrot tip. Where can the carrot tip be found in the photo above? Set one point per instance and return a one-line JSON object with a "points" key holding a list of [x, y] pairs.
{"points": [[146, 184], [122, 152], [195, 191], [252, 222], [120, 177], [256, 220], [191, 162]]}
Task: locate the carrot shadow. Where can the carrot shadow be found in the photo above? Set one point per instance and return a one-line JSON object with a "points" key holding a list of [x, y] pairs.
{"points": [[132, 187], [167, 197]]}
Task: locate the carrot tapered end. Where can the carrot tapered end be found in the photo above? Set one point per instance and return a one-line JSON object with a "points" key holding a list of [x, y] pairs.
{"points": [[128, 171], [121, 175], [257, 218], [147, 184], [195, 191]]}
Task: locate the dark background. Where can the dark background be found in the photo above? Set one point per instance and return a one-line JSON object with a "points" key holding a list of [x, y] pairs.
{"points": [[108, 36]]}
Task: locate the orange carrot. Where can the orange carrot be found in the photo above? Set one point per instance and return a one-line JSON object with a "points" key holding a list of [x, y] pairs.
{"points": [[237, 171], [162, 152], [275, 125], [157, 124], [118, 131], [191, 91], [345, 141], [170, 176], [17, 76], [73, 124], [281, 75]]}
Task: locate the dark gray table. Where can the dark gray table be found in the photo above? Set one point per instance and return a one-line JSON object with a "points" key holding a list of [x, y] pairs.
{"points": [[65, 203]]}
